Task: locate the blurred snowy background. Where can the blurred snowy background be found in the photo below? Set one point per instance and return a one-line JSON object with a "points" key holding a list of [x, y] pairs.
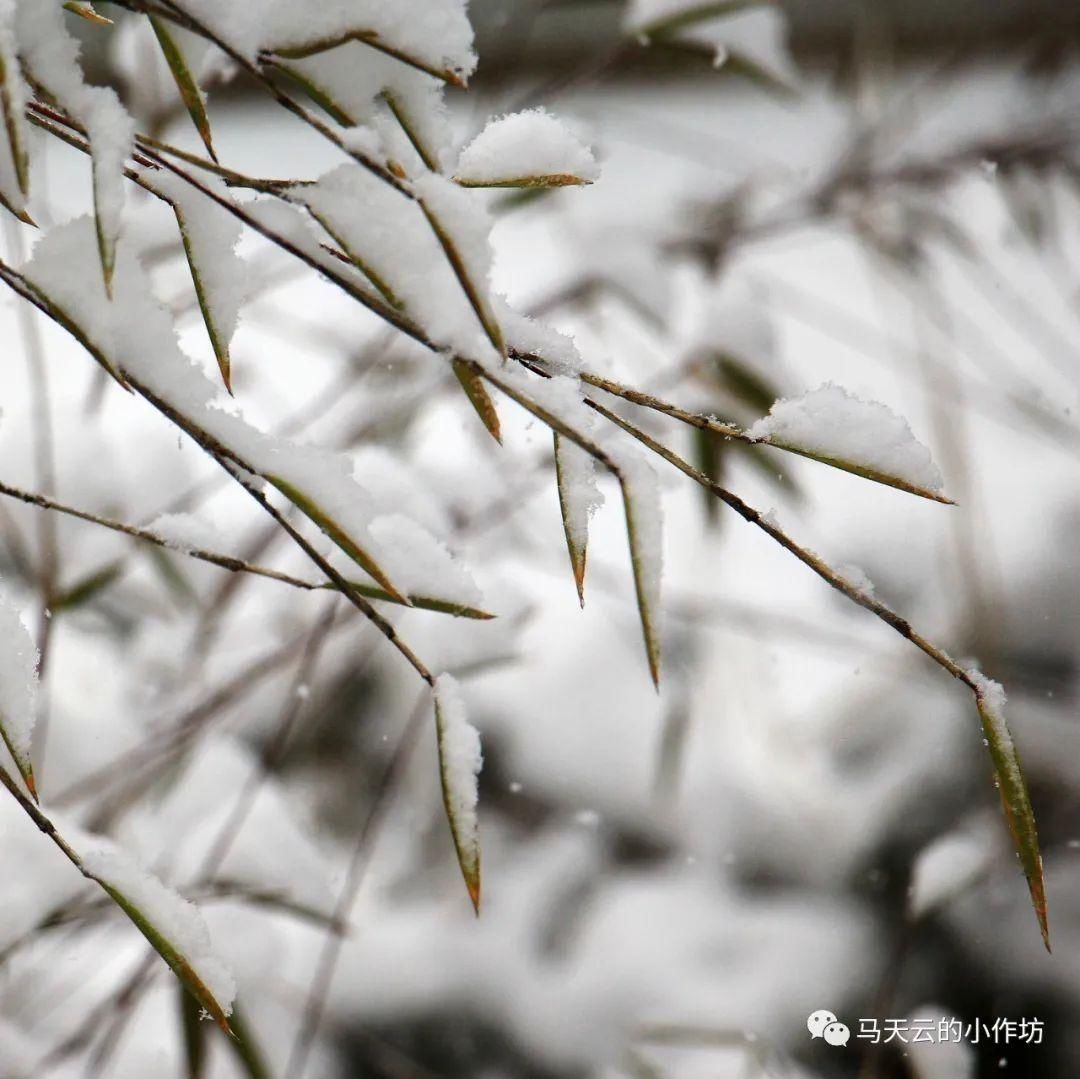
{"points": [[881, 196]]}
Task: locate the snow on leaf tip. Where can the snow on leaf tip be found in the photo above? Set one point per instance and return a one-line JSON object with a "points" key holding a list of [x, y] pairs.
{"points": [[173, 926], [460, 760], [990, 698]]}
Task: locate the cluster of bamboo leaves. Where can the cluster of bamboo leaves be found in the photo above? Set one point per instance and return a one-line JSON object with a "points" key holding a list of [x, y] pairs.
{"points": [[278, 75]]}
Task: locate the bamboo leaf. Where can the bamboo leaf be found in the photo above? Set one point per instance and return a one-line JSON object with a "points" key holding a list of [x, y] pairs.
{"points": [[560, 179], [218, 340], [473, 292], [371, 38], [1012, 787], [195, 1044], [86, 589], [86, 11], [460, 759], [641, 525], [186, 83], [858, 469], [117, 877], [12, 92], [336, 533], [423, 603], [576, 544], [477, 393]]}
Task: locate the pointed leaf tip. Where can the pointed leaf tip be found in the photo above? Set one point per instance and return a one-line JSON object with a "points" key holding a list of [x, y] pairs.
{"points": [[1016, 802], [460, 760]]}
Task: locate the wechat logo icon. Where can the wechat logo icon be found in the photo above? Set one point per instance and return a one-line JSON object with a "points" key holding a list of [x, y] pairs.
{"points": [[823, 1024]]}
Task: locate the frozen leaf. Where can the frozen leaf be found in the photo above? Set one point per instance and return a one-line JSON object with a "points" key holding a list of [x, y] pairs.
{"points": [[460, 759], [1012, 787], [173, 926], [18, 689], [186, 82], [863, 437], [526, 149]]}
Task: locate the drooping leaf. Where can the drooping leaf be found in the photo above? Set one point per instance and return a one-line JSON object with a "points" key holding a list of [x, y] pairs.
{"points": [[575, 517], [460, 759], [1012, 787], [477, 393], [186, 83]]}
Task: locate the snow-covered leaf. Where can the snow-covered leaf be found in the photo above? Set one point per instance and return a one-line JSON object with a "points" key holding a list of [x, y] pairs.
{"points": [[460, 760], [526, 149], [173, 926], [863, 437], [478, 396], [186, 83], [579, 497], [18, 689], [210, 236], [990, 697], [86, 11]]}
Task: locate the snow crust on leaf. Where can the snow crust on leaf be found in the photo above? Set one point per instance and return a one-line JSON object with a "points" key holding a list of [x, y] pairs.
{"points": [[832, 423], [389, 236], [15, 134], [525, 145], [460, 761], [18, 684], [434, 32], [365, 85], [210, 237], [178, 921], [136, 333]]}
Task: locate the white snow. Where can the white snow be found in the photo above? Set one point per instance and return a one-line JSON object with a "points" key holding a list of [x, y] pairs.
{"points": [[210, 236], [460, 759], [992, 700], [177, 920], [436, 33], [186, 532], [949, 865], [18, 684], [856, 577], [530, 145], [641, 15], [52, 55], [582, 496], [409, 552], [830, 422], [388, 234]]}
